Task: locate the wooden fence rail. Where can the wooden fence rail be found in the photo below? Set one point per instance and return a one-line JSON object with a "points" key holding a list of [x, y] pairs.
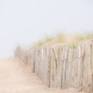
{"points": [[62, 66]]}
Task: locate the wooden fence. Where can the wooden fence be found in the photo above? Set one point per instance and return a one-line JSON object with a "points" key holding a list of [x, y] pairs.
{"points": [[63, 66]]}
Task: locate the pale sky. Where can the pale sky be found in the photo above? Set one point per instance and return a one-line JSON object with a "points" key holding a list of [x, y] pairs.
{"points": [[26, 21]]}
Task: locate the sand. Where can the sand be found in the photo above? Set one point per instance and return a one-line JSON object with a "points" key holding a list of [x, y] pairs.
{"points": [[15, 79]]}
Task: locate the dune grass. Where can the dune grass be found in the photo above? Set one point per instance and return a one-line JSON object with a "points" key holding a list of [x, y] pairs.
{"points": [[62, 38]]}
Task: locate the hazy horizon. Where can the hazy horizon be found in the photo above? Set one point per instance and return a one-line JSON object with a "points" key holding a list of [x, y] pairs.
{"points": [[26, 21]]}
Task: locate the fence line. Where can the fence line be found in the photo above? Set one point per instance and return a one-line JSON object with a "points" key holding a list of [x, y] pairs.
{"points": [[62, 66]]}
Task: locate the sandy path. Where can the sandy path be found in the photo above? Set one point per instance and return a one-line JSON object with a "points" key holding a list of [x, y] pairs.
{"points": [[13, 79]]}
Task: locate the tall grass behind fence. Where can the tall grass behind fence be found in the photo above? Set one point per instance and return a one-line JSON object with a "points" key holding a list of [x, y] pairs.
{"points": [[63, 66]]}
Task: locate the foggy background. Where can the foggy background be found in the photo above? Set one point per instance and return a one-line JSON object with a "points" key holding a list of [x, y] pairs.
{"points": [[26, 21]]}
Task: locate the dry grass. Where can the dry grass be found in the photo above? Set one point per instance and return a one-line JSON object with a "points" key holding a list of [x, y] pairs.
{"points": [[61, 38]]}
